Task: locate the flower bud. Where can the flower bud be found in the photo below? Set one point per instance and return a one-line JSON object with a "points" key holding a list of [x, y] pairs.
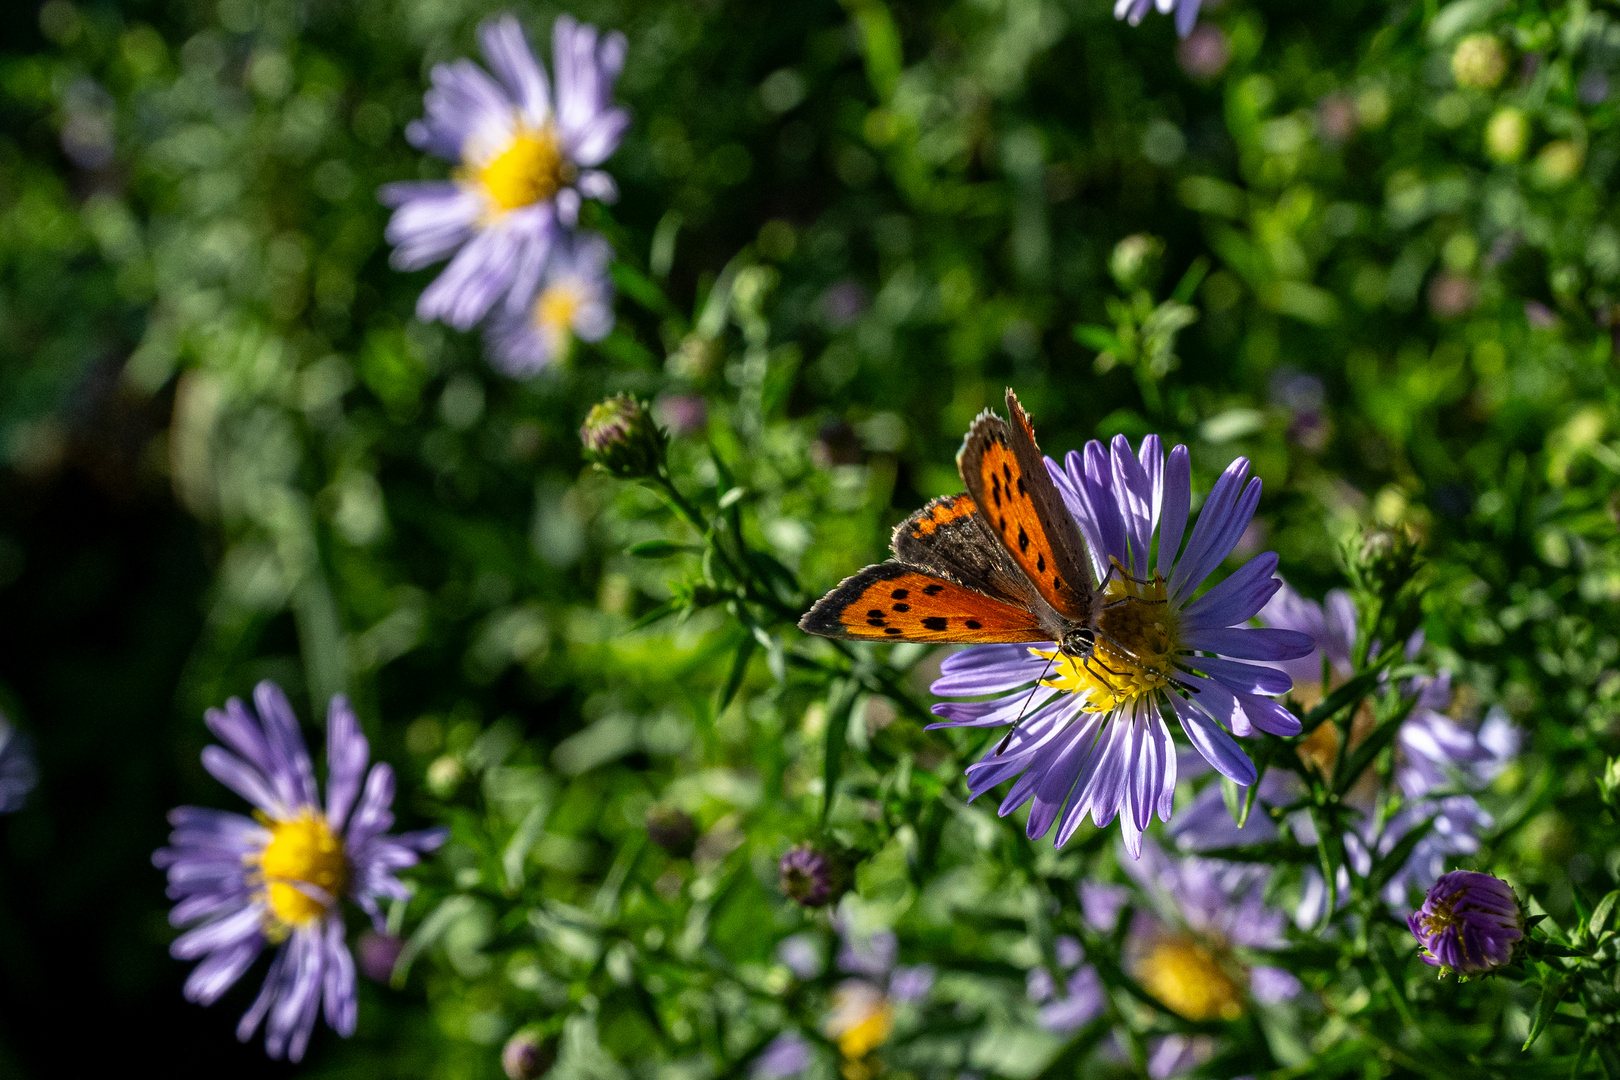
{"points": [[673, 830], [1384, 561], [526, 1055], [377, 955], [445, 775], [620, 436], [1469, 923], [1135, 262], [1558, 163], [1479, 62], [812, 876], [1507, 134]]}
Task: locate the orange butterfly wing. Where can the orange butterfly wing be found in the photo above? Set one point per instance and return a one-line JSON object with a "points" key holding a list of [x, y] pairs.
{"points": [[1006, 477], [894, 602]]}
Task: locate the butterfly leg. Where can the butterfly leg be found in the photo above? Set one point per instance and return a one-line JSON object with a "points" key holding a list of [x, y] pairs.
{"points": [[1002, 746]]}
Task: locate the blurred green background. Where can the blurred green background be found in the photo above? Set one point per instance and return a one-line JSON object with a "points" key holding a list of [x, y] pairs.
{"points": [[229, 451]]}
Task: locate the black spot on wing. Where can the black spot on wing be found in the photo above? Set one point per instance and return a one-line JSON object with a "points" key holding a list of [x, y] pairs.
{"points": [[900, 594], [932, 590], [936, 622], [973, 624], [902, 607]]}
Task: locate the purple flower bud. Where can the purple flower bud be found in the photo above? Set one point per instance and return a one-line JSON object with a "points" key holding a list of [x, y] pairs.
{"points": [[526, 1055], [378, 954], [1468, 923], [672, 829], [813, 877]]}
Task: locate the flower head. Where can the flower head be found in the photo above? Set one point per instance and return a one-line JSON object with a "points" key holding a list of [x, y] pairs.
{"points": [[1468, 923], [1133, 10], [787, 1055], [276, 880], [811, 876], [620, 436], [1090, 733], [1074, 1004], [573, 300], [525, 148], [18, 770], [863, 1010], [526, 1055], [1204, 910]]}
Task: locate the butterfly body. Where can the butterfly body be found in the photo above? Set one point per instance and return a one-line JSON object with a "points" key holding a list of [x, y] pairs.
{"points": [[1002, 562]]}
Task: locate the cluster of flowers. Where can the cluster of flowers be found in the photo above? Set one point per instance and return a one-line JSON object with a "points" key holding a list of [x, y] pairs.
{"points": [[526, 149], [1089, 738]]}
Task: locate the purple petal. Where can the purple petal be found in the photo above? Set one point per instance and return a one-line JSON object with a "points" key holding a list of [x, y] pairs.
{"points": [[1237, 599], [347, 753], [1214, 744], [1247, 643]]}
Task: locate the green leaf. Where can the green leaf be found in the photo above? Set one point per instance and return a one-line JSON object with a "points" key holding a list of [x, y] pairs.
{"points": [[668, 607], [840, 704], [1552, 992], [636, 286], [660, 549], [1351, 766], [774, 657], [1194, 277], [739, 670], [732, 497], [1602, 915], [1232, 795], [433, 927], [1100, 338], [517, 849], [1347, 696], [1269, 852]]}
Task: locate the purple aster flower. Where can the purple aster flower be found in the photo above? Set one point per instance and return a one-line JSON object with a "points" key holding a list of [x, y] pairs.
{"points": [[788, 1055], [1133, 10], [1468, 923], [574, 300], [274, 880], [1204, 909], [18, 770], [525, 149], [1090, 734], [1438, 764], [1079, 1001]]}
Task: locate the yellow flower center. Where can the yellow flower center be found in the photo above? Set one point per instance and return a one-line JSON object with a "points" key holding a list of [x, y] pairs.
{"points": [[302, 852], [1444, 917], [555, 309], [530, 169], [861, 1021], [1136, 642], [1188, 978]]}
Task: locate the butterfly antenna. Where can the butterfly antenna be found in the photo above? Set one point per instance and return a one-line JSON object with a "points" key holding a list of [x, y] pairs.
{"points": [[1032, 692]]}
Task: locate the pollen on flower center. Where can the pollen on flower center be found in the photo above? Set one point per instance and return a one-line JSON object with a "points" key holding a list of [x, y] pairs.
{"points": [[530, 169], [1136, 642], [1188, 978], [555, 308], [302, 852], [1444, 916]]}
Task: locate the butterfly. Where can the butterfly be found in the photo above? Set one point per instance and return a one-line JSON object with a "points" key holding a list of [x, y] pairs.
{"points": [[1002, 562]]}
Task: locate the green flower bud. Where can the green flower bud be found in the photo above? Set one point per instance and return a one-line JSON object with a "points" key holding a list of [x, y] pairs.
{"points": [[445, 775], [1507, 134], [1385, 560], [620, 436], [1479, 62], [1558, 163], [1136, 261]]}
